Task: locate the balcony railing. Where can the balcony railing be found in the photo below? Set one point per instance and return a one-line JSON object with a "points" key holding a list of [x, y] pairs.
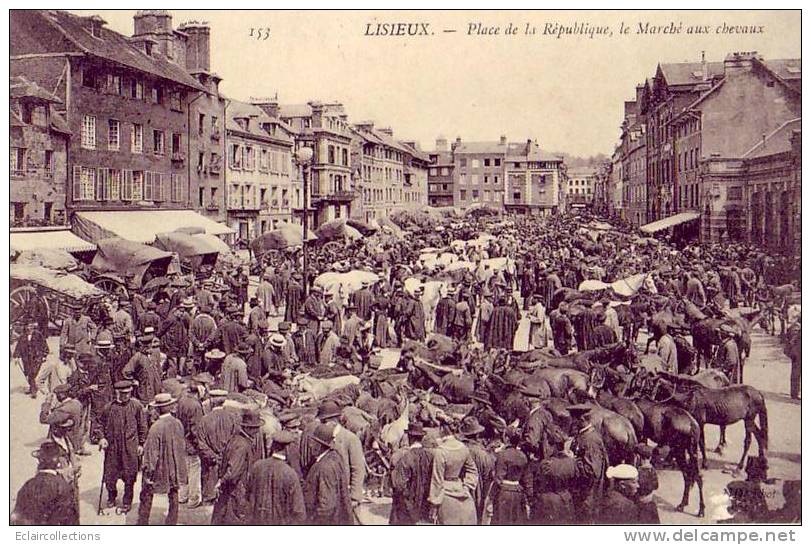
{"points": [[178, 157], [244, 205], [336, 196]]}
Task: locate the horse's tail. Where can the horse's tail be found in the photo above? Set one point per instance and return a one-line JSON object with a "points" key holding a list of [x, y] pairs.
{"points": [[763, 420]]}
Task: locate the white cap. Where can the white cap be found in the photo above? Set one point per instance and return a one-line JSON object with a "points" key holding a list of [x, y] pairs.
{"points": [[622, 471]]}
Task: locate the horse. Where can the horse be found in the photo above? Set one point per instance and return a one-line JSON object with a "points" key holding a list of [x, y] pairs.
{"points": [[667, 425], [722, 407], [562, 383]]}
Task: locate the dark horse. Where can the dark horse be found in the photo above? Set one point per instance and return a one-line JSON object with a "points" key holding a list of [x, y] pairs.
{"points": [[669, 425], [722, 407]]}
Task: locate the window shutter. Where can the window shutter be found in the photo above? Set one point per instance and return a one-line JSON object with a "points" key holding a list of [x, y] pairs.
{"points": [[115, 184], [77, 183], [100, 177], [126, 185], [148, 186]]}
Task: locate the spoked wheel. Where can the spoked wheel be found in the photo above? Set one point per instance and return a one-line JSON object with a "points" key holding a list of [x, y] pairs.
{"points": [[21, 300], [111, 286]]}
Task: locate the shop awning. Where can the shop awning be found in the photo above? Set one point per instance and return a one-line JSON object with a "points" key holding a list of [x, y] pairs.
{"points": [[141, 225], [49, 240], [666, 223]]}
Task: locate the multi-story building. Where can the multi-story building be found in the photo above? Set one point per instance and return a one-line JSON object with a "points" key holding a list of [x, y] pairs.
{"points": [[39, 139], [381, 162], [533, 180], [634, 163], [440, 175], [324, 128], [616, 185], [751, 100], [125, 102], [674, 86], [415, 184], [259, 170], [580, 184], [478, 172]]}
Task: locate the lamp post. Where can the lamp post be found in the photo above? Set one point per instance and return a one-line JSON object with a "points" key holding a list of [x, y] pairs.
{"points": [[303, 157]]}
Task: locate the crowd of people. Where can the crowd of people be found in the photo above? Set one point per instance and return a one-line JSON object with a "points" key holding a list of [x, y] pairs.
{"points": [[198, 390]]}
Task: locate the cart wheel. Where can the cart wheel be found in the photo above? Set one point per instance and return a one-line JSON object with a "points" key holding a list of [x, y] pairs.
{"points": [[111, 286], [20, 299]]}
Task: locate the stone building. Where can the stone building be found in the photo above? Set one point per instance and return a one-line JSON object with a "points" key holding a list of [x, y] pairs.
{"points": [[324, 127], [126, 105], [532, 178], [478, 173], [580, 184], [39, 138], [259, 170], [440, 175]]}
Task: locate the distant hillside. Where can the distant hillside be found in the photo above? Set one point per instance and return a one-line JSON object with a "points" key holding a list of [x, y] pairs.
{"points": [[591, 161]]}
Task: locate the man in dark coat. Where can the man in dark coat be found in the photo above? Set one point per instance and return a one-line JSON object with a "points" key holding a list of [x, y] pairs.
{"points": [[444, 313], [46, 499], [413, 316], [294, 297], [174, 336], [231, 331], [591, 463], [411, 479], [274, 495], [164, 461], [547, 483], [314, 309], [32, 350], [239, 455], [190, 411], [124, 433], [503, 324], [211, 436], [363, 300], [326, 486], [305, 344], [562, 328], [485, 462], [508, 496], [141, 368]]}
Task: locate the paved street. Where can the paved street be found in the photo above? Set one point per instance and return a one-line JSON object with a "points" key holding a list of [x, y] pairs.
{"points": [[767, 369]]}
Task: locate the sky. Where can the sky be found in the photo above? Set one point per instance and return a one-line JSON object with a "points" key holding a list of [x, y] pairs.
{"points": [[566, 92]]}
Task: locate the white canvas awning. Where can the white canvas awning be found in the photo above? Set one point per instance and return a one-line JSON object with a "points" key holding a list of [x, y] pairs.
{"points": [[141, 225], [49, 240], [672, 221]]}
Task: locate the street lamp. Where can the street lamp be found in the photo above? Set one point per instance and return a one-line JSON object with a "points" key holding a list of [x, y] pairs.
{"points": [[303, 157]]}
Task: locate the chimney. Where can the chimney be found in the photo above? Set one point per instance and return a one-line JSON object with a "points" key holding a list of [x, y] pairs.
{"points": [[94, 24], [269, 105], [740, 62], [317, 113], [365, 126], [388, 131], [198, 46], [528, 147], [151, 21], [705, 75], [442, 144], [503, 140]]}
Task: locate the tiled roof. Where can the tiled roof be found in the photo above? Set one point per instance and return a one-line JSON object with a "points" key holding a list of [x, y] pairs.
{"points": [[19, 87], [116, 47], [578, 172], [687, 73], [788, 69], [295, 110], [776, 142], [237, 109], [494, 147]]}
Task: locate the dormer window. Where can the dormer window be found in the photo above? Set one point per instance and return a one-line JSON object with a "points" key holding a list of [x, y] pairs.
{"points": [[148, 48], [96, 23]]}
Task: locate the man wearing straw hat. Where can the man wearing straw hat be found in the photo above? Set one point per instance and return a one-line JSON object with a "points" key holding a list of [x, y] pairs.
{"points": [[164, 460]]}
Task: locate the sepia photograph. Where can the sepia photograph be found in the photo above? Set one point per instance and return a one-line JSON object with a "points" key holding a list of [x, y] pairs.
{"points": [[405, 267]]}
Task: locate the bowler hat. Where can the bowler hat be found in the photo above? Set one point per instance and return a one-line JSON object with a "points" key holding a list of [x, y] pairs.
{"points": [[284, 326], [48, 451], [328, 409], [123, 385], [284, 437], [325, 434], [645, 451], [251, 419], [243, 348], [290, 420], [470, 426]]}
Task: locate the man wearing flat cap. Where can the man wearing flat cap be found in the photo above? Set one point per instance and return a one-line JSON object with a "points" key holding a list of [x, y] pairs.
{"points": [[164, 460], [619, 506], [211, 436], [591, 462], [240, 454], [124, 429], [274, 495], [46, 499]]}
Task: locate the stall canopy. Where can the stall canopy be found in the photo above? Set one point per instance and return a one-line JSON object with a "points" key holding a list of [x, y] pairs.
{"points": [[142, 225], [672, 221], [49, 240]]}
